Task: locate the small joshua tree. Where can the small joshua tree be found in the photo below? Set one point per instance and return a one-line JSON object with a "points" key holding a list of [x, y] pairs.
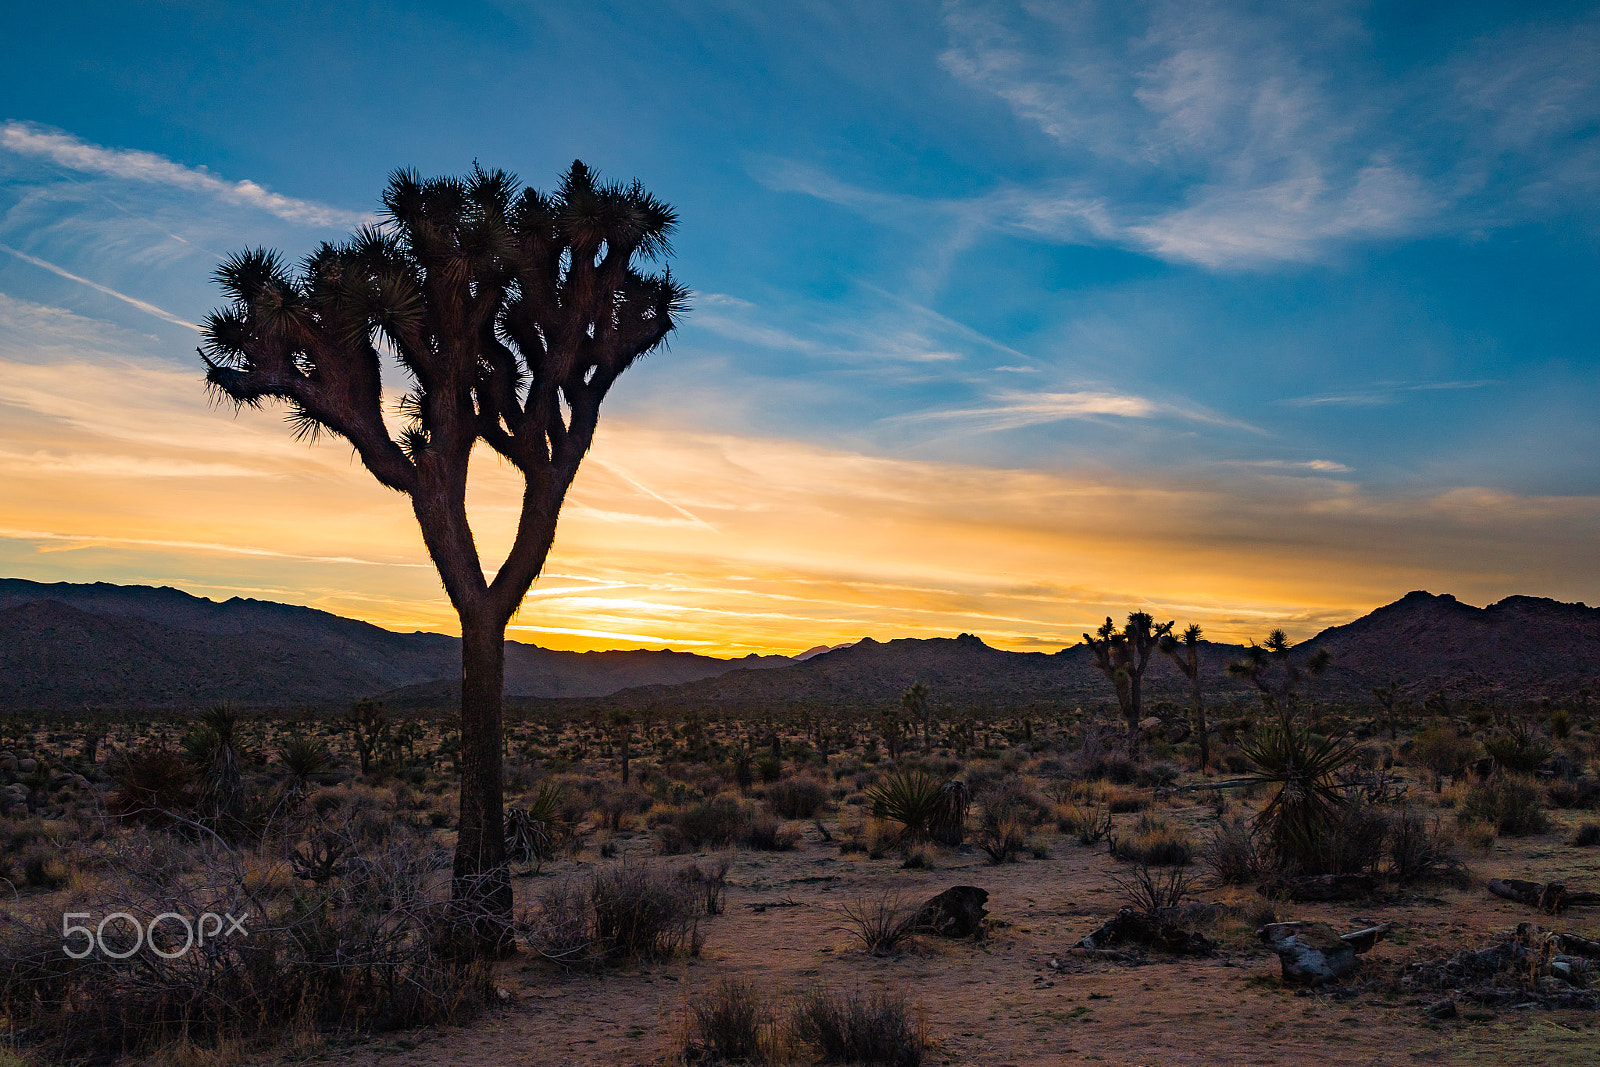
{"points": [[1275, 673], [369, 728], [1186, 655], [1122, 655], [919, 710]]}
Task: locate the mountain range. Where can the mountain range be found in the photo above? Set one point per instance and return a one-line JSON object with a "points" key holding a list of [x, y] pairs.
{"points": [[68, 646]]}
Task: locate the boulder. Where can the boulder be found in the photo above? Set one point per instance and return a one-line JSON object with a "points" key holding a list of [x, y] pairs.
{"points": [[1313, 953], [1151, 931], [957, 912]]}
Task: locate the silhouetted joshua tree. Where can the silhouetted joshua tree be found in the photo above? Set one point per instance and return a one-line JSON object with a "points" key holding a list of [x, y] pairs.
{"points": [[919, 710], [512, 313], [1186, 654], [1122, 655], [1275, 674]]}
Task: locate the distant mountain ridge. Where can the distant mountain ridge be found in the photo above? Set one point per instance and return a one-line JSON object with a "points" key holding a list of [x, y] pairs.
{"points": [[65, 646]]}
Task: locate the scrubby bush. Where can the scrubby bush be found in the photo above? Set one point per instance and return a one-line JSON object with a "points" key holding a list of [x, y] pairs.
{"points": [[1233, 853], [714, 823], [729, 1026], [799, 797], [1001, 838], [1588, 835], [1512, 806], [880, 925], [1518, 750], [1442, 753], [1153, 843], [767, 834], [854, 1028]]}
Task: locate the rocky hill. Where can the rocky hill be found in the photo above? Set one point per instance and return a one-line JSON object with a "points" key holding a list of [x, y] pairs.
{"points": [[65, 645]]}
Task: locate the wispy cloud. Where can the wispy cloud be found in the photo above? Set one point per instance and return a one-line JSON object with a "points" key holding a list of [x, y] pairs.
{"points": [[133, 301], [1014, 410], [133, 165], [1384, 393]]}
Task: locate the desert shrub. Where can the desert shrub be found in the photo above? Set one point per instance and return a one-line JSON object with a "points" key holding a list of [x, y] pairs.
{"points": [[1014, 799], [1156, 775], [641, 913], [880, 925], [728, 1026], [618, 805], [799, 797], [1089, 822], [767, 834], [1152, 893], [1518, 749], [1352, 843], [1443, 753], [360, 953], [149, 784], [1588, 835], [1233, 853], [714, 823], [918, 858], [854, 1028], [1125, 802], [1581, 793], [1153, 843], [709, 882], [1001, 838], [770, 768], [1511, 805], [1419, 850]]}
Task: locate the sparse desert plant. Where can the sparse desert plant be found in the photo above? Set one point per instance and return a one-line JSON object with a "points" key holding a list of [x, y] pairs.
{"points": [[1002, 838], [1153, 843], [855, 1028], [709, 881], [303, 757], [1441, 752], [1233, 853], [730, 1025], [714, 823], [880, 925], [1089, 822], [150, 784], [1588, 835], [642, 913], [1419, 850], [766, 834], [1512, 806], [798, 797], [1518, 749], [1152, 893]]}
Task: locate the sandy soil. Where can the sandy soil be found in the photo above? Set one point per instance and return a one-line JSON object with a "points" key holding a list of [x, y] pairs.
{"points": [[999, 1000]]}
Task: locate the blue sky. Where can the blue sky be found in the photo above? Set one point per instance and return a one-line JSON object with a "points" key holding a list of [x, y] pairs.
{"points": [[1333, 266]]}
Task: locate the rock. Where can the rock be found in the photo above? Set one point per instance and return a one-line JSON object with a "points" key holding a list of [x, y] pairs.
{"points": [[1141, 928], [1313, 953], [957, 912], [8, 763], [1442, 1009], [27, 766]]}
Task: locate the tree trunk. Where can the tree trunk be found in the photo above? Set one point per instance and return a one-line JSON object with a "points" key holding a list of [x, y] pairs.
{"points": [[1200, 721], [1134, 713], [481, 883]]}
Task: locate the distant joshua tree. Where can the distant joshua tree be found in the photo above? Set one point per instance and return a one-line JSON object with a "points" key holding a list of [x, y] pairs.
{"points": [[511, 313], [1185, 652], [1275, 674], [919, 709], [1122, 655]]}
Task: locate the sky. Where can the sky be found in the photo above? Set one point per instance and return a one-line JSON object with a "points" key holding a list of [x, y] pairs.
{"points": [[1007, 316]]}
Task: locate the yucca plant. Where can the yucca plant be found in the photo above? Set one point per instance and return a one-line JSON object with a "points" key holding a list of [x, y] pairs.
{"points": [[303, 757], [1308, 803], [536, 832], [920, 803]]}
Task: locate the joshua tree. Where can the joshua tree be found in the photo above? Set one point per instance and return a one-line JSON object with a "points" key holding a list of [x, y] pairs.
{"points": [[369, 726], [919, 709], [1269, 667], [1122, 655], [1388, 697], [1186, 654], [512, 313]]}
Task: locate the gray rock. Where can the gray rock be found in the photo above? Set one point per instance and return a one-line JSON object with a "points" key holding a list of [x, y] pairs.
{"points": [[1442, 1009], [957, 912]]}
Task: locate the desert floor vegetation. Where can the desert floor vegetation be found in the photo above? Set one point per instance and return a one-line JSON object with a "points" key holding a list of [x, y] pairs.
{"points": [[748, 888]]}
